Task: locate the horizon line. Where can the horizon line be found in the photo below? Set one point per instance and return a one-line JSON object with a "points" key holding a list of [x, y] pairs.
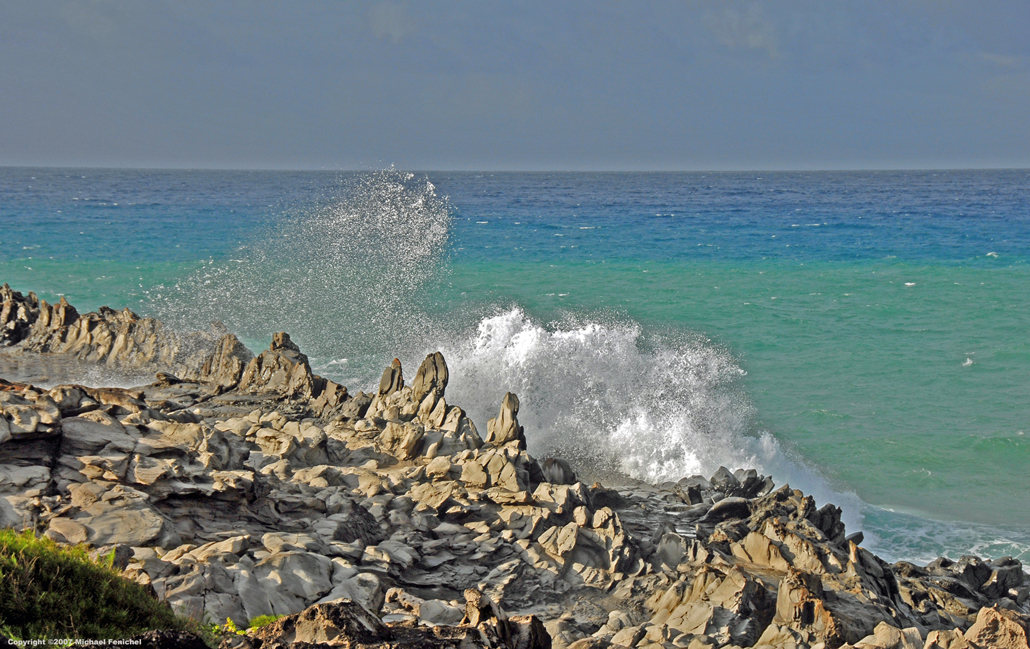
{"points": [[520, 171]]}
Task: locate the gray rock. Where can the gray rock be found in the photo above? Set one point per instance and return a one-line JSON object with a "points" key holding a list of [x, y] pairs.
{"points": [[725, 481], [363, 588], [557, 471], [293, 580], [393, 379], [356, 407], [431, 378]]}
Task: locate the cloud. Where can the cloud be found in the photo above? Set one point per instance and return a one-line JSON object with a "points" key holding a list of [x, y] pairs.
{"points": [[1001, 60], [743, 28], [390, 19]]}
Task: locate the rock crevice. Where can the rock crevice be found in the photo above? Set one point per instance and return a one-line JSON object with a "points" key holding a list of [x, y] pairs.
{"points": [[251, 486]]}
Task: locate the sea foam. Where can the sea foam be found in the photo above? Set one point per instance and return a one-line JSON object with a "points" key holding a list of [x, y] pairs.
{"points": [[351, 279]]}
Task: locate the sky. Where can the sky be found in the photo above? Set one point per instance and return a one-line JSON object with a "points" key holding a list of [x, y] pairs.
{"points": [[488, 85]]}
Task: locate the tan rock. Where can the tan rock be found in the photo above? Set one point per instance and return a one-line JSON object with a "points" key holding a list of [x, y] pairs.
{"points": [[431, 378], [282, 369], [759, 549], [439, 468], [505, 428], [402, 440], [999, 628], [799, 605], [473, 475], [885, 636], [64, 530], [949, 639]]}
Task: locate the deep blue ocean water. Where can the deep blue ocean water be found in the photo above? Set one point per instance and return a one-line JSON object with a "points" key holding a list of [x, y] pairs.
{"points": [[862, 335]]}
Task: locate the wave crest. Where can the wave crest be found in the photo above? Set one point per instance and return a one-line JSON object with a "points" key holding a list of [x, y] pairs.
{"points": [[599, 393]]}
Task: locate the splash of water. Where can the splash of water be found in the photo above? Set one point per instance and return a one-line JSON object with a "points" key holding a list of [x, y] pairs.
{"points": [[348, 280], [343, 278], [588, 389], [611, 399]]}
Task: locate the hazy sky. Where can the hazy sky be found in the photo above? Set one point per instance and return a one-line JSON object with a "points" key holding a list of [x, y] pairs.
{"points": [[481, 84]]}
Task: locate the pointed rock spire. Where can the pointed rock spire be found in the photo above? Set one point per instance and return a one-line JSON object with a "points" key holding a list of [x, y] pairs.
{"points": [[505, 428]]}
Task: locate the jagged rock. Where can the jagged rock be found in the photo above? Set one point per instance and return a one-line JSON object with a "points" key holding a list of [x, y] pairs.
{"points": [[403, 441], [225, 366], [393, 379], [331, 396], [999, 628], [355, 408], [285, 492], [282, 369], [119, 339], [431, 378], [760, 550], [799, 605], [505, 428], [557, 471]]}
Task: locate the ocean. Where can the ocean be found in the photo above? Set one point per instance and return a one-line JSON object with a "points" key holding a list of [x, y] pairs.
{"points": [[863, 336]]}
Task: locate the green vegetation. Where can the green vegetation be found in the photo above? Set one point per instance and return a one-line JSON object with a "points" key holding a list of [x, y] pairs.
{"points": [[230, 628], [262, 620], [53, 591]]}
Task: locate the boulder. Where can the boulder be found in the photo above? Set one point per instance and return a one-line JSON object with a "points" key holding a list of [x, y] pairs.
{"points": [[431, 378], [281, 369], [557, 471], [505, 428], [342, 623], [392, 380], [999, 628]]}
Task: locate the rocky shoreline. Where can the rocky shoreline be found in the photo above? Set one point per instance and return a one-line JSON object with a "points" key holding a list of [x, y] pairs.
{"points": [[239, 485]]}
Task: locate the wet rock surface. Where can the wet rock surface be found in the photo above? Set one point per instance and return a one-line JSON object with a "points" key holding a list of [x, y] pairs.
{"points": [[240, 485]]}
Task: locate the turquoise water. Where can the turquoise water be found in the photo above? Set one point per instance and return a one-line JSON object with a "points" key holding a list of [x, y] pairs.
{"points": [[860, 335]]}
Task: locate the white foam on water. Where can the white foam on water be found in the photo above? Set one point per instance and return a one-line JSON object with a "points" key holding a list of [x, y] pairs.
{"points": [[348, 281], [900, 536], [606, 397]]}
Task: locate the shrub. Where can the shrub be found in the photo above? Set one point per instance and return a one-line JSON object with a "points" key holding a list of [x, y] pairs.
{"points": [[262, 620], [53, 591]]}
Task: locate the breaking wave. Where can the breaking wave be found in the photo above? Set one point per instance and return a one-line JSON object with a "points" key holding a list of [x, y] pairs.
{"points": [[352, 280], [613, 399]]}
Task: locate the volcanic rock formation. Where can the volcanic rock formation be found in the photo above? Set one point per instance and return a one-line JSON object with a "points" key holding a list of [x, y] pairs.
{"points": [[239, 486]]}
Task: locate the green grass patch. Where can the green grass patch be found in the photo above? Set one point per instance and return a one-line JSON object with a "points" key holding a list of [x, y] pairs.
{"points": [[53, 591], [262, 620]]}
